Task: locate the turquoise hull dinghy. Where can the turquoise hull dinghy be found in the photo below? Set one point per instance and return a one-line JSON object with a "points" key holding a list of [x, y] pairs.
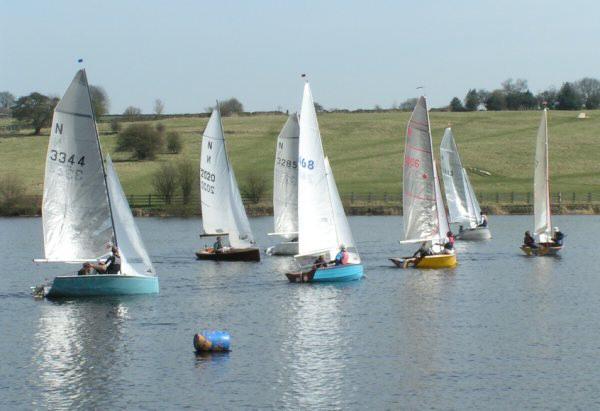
{"points": [[102, 285], [333, 274]]}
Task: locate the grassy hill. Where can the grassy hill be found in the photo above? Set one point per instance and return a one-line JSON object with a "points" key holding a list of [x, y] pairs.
{"points": [[365, 149]]}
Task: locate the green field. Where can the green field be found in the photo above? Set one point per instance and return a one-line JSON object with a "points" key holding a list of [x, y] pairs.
{"points": [[365, 149]]}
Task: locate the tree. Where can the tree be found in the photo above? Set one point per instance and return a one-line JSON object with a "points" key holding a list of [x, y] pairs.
{"points": [[568, 98], [231, 106], [132, 113], [254, 187], [471, 100], [161, 128], [456, 105], [408, 104], [318, 108], [159, 107], [100, 102], [496, 101], [589, 89], [143, 140], [547, 97], [115, 125], [35, 109], [164, 181], [6, 101], [186, 177], [173, 142]]}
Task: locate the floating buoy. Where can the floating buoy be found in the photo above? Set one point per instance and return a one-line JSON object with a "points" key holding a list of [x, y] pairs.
{"points": [[212, 341]]}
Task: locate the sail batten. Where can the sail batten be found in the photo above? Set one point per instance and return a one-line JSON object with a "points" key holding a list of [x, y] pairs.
{"points": [[424, 213]]}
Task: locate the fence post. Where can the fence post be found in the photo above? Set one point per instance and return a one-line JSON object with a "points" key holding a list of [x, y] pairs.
{"points": [[497, 198], [385, 197], [559, 197], [512, 196], [573, 197], [528, 198], [589, 197], [352, 197], [149, 200], [369, 200]]}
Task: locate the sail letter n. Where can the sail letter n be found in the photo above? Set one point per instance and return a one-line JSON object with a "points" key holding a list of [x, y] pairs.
{"points": [[59, 128]]}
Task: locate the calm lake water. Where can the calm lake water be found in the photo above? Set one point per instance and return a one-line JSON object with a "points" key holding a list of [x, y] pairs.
{"points": [[500, 331]]}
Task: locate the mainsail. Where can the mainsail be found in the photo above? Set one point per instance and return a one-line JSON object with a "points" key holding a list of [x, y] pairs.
{"points": [[75, 209], [285, 182], [462, 204], [134, 257], [316, 222], [541, 187], [424, 213], [222, 208]]}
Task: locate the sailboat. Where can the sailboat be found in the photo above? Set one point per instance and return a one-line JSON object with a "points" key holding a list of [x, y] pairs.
{"points": [[541, 196], [423, 207], [285, 189], [223, 213], [462, 203], [323, 228], [84, 209]]}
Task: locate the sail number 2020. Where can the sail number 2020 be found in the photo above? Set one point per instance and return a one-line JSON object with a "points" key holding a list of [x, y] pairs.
{"points": [[61, 157]]}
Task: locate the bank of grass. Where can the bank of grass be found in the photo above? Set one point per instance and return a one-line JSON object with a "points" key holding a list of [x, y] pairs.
{"points": [[365, 149]]}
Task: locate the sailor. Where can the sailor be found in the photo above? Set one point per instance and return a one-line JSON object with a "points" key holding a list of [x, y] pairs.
{"points": [[529, 241], [86, 269], [218, 245], [558, 237], [423, 251], [342, 257], [449, 245], [112, 265], [320, 263], [484, 221]]}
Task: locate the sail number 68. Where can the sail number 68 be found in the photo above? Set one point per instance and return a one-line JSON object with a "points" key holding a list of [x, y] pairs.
{"points": [[310, 164]]}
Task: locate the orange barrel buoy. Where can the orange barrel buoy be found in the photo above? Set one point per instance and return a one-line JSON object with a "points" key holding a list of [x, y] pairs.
{"points": [[212, 341]]}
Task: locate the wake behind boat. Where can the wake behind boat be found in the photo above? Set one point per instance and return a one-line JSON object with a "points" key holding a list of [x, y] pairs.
{"points": [[462, 204], [547, 244], [326, 248], [223, 213], [425, 219], [84, 208], [285, 189]]}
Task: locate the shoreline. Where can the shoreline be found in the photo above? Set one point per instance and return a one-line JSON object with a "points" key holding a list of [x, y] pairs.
{"points": [[353, 210]]}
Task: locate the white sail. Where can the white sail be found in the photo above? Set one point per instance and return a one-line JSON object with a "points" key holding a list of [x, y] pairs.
{"points": [[222, 208], [75, 208], [462, 204], [134, 257], [285, 182], [342, 228], [316, 224], [424, 214], [541, 188]]}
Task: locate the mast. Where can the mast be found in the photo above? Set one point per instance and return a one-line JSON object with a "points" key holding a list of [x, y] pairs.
{"points": [[112, 220]]}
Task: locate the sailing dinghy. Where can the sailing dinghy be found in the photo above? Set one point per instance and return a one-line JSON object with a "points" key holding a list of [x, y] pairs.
{"points": [[285, 189], [84, 209], [322, 224], [541, 196], [423, 207], [223, 213], [463, 206]]}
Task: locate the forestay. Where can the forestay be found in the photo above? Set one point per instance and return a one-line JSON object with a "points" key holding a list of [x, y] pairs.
{"points": [[541, 188], [316, 224], [222, 207], [285, 182], [134, 257], [342, 228], [75, 207], [462, 204], [424, 213]]}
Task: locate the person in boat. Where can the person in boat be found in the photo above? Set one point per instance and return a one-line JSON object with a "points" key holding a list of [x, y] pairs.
{"points": [[484, 221], [449, 245], [218, 245], [342, 257], [86, 269], [558, 237], [529, 241], [423, 251], [112, 265], [320, 262]]}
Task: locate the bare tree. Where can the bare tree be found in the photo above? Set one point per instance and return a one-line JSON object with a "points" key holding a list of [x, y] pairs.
{"points": [[159, 107]]}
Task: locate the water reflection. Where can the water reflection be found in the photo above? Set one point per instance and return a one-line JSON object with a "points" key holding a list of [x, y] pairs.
{"points": [[79, 353], [313, 350]]}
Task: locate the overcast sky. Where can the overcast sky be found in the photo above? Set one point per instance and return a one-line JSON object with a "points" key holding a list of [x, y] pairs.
{"points": [[357, 54]]}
